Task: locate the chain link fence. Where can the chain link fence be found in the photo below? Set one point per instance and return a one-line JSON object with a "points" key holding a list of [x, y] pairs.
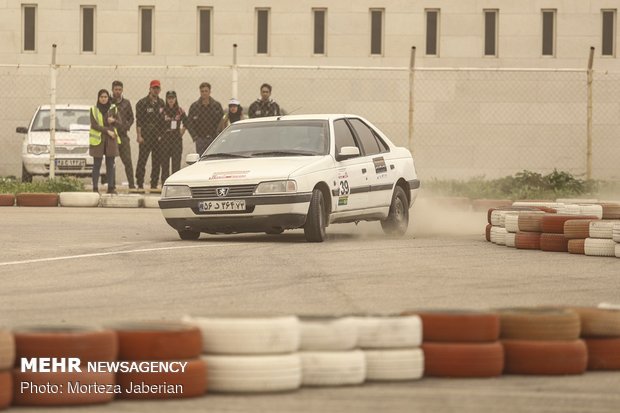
{"points": [[467, 122]]}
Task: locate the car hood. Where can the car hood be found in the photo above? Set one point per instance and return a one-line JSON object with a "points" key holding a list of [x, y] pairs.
{"points": [[76, 138], [241, 171]]}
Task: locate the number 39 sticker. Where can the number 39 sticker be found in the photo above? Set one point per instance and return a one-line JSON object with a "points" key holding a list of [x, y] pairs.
{"points": [[344, 188]]}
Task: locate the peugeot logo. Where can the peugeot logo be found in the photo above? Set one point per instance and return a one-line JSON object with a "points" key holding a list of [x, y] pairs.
{"points": [[222, 192]]}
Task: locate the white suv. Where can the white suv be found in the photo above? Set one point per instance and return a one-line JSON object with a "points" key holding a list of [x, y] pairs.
{"points": [[72, 129]]}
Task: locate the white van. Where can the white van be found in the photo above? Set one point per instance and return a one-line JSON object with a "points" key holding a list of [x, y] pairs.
{"points": [[72, 129]]}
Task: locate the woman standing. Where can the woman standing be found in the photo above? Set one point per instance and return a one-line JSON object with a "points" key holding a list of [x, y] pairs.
{"points": [[234, 114], [172, 145], [104, 139]]}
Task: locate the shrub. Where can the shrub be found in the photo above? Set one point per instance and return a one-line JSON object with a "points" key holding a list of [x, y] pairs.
{"points": [[10, 185]]}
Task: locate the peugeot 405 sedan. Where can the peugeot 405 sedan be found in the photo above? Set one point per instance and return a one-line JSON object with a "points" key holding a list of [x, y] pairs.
{"points": [[301, 171]]}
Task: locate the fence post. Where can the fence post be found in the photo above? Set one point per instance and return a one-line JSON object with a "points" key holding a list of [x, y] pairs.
{"points": [[235, 74], [589, 129], [411, 103], [53, 114]]}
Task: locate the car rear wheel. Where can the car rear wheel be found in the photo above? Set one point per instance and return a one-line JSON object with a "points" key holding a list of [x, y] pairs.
{"points": [[187, 235], [314, 230], [26, 177], [398, 218]]}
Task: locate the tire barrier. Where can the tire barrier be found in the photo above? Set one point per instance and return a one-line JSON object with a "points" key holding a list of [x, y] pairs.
{"points": [[595, 210], [615, 233], [121, 201], [7, 199], [332, 368], [498, 235], [79, 199], [389, 332], [554, 223], [487, 232], [519, 209], [151, 201], [7, 350], [327, 333], [158, 341], [511, 239], [617, 251], [463, 359], [580, 201], [576, 246], [598, 322], [539, 323], [530, 222], [600, 247], [545, 357], [6, 389], [611, 210], [36, 199], [527, 240], [394, 364], [541, 204], [603, 353], [511, 223], [602, 229], [458, 326], [553, 243], [577, 228], [569, 209]]}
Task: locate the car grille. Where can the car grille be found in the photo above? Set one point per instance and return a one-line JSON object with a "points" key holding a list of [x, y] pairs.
{"points": [[233, 191], [76, 150]]}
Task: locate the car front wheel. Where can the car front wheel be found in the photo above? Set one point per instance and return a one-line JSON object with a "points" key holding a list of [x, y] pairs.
{"points": [[187, 235], [398, 218], [316, 221]]}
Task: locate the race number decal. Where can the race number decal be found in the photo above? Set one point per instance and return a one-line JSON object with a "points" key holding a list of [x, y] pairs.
{"points": [[344, 188]]}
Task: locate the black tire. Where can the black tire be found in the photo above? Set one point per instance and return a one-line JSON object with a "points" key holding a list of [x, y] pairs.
{"points": [[398, 218], [316, 220], [187, 235], [26, 177]]}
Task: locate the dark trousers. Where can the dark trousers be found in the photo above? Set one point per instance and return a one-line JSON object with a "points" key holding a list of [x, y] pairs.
{"points": [[125, 155], [202, 144], [171, 152], [110, 175], [149, 147]]}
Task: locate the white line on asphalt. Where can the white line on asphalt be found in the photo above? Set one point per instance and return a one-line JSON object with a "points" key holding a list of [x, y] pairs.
{"points": [[102, 254]]}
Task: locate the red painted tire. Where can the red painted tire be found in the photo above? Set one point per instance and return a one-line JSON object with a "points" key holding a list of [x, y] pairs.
{"points": [[87, 344], [192, 382], [158, 341], [577, 246], [487, 232], [603, 353], [545, 357], [611, 211], [6, 389], [598, 322], [480, 205], [37, 199], [554, 223], [7, 199], [553, 243], [527, 240], [577, 228], [539, 323], [463, 359], [530, 222], [459, 326]]}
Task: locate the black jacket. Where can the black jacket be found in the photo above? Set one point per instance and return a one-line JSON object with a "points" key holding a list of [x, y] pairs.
{"points": [[126, 116], [202, 120]]}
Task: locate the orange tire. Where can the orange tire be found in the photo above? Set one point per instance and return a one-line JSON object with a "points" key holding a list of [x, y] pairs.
{"points": [[611, 211], [577, 228], [479, 205], [554, 223], [545, 357], [37, 199], [7, 199], [603, 353], [463, 359], [487, 232], [530, 222], [527, 240], [191, 383], [6, 389], [553, 243], [577, 246], [158, 341], [598, 322], [84, 343], [29, 396], [539, 323], [459, 326]]}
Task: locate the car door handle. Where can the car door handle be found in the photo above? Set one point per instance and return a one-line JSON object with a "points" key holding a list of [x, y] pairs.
{"points": [[363, 170]]}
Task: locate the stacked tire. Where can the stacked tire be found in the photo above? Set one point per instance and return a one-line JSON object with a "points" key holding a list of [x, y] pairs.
{"points": [[7, 360], [600, 243], [616, 238], [391, 346], [600, 329], [250, 355]]}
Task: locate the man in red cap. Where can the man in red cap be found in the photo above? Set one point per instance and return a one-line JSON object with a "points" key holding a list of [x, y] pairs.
{"points": [[150, 127]]}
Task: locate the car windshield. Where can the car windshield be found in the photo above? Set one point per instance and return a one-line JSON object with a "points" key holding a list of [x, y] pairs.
{"points": [[66, 120], [276, 138]]}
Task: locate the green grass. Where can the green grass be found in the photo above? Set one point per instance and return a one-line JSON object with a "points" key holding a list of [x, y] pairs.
{"points": [[12, 185]]}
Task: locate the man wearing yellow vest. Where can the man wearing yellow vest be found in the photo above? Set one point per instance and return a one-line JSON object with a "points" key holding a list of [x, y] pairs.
{"points": [[104, 139]]}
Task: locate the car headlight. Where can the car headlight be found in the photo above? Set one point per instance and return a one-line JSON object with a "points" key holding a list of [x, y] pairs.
{"points": [[276, 187], [37, 149], [176, 191]]}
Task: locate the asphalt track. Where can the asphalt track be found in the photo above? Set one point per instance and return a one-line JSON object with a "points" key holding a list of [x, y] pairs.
{"points": [[98, 266]]}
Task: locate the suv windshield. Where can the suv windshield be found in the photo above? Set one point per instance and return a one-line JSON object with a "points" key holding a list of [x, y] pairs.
{"points": [[66, 120], [277, 138]]}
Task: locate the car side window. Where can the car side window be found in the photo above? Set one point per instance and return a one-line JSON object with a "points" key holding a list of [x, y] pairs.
{"points": [[343, 135], [367, 136]]}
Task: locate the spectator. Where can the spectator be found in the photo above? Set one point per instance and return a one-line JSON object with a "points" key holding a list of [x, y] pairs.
{"points": [[149, 128], [172, 144], [126, 115], [264, 106], [234, 114], [203, 118], [104, 139]]}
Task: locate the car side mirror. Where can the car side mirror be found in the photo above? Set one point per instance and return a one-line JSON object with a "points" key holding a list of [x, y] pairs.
{"points": [[192, 158], [347, 152], [21, 129]]}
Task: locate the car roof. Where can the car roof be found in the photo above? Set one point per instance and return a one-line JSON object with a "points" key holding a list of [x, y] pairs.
{"points": [[65, 106], [320, 116]]}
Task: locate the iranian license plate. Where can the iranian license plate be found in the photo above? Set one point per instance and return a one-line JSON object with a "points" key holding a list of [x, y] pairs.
{"points": [[71, 163], [217, 206]]}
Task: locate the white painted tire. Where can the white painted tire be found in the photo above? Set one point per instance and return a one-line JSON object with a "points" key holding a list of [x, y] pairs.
{"points": [[602, 229], [121, 201], [496, 217], [7, 350], [617, 251], [389, 332], [615, 232], [327, 333], [151, 201], [498, 235], [387, 365], [576, 201], [594, 210], [511, 239], [569, 209], [332, 368], [253, 374], [609, 306], [79, 199], [229, 335], [600, 247], [511, 223], [554, 205]]}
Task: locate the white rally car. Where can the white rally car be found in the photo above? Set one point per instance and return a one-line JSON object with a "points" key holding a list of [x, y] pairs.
{"points": [[302, 171]]}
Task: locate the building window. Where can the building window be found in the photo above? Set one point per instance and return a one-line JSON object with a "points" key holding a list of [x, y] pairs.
{"points": [[262, 31], [608, 46], [490, 32], [432, 32], [548, 33], [376, 31], [146, 29], [204, 30], [320, 18], [29, 13], [88, 29]]}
